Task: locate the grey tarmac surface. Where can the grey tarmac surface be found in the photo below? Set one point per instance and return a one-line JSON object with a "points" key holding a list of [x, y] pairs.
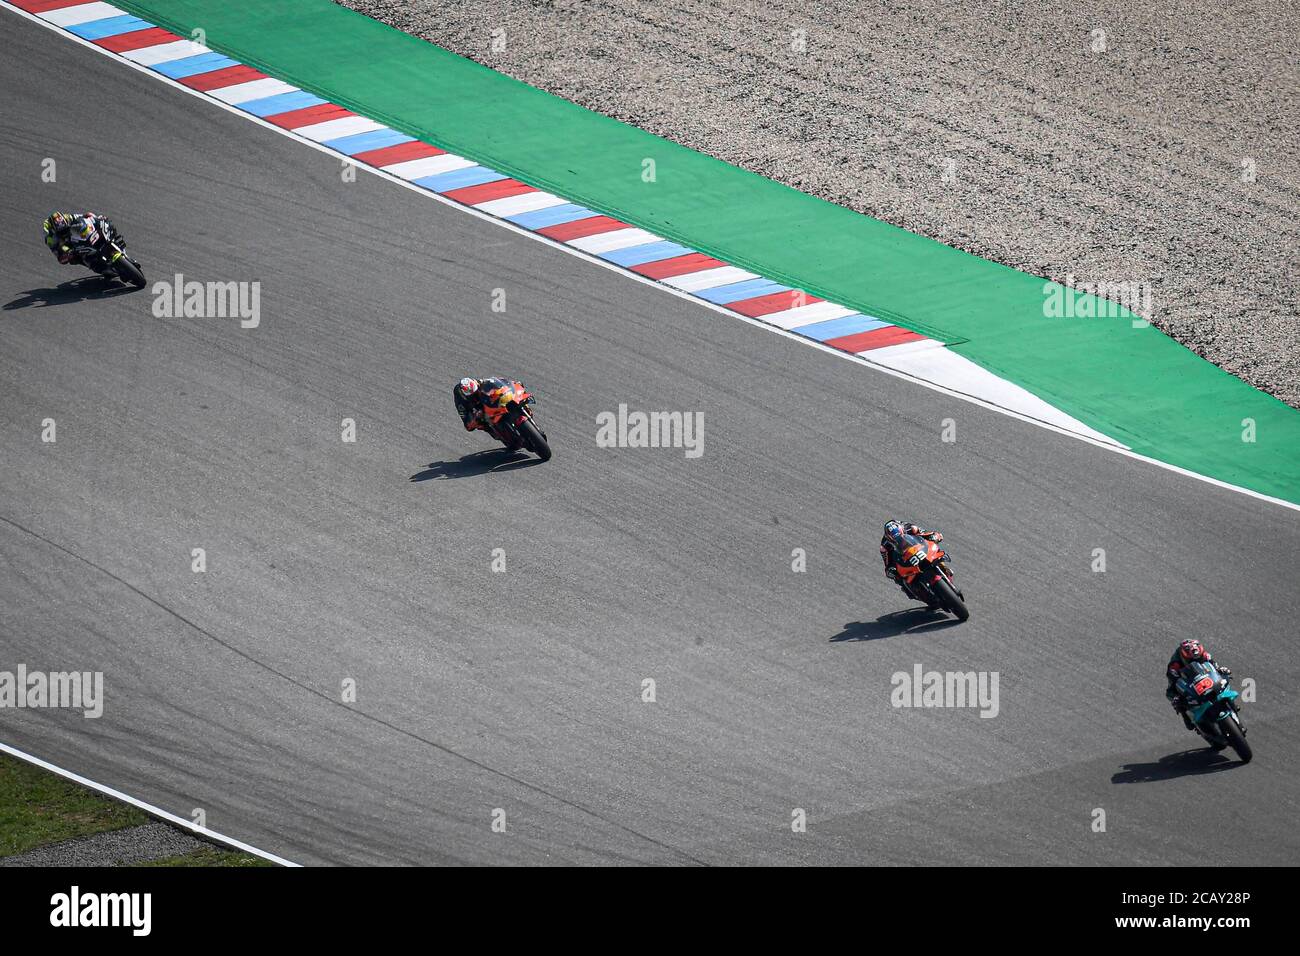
{"points": [[1101, 141], [521, 690]]}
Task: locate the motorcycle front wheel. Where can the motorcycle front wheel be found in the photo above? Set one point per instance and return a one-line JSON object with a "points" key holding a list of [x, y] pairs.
{"points": [[948, 597], [130, 272], [1237, 740], [532, 437]]}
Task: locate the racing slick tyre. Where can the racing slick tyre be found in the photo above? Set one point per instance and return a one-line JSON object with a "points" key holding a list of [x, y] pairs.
{"points": [[130, 272], [950, 600], [533, 439], [1232, 730]]}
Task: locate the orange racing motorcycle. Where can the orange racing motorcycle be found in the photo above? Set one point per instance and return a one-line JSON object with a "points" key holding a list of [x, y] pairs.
{"points": [[921, 566], [509, 414]]}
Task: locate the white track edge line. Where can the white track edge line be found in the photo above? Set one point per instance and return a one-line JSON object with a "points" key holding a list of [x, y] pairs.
{"points": [[146, 807], [934, 386]]}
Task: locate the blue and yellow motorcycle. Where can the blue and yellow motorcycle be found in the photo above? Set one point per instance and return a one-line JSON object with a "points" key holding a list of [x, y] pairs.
{"points": [[1214, 707]]}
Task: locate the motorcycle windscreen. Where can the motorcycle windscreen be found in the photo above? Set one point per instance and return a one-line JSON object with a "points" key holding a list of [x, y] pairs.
{"points": [[1199, 679], [909, 546], [502, 394]]}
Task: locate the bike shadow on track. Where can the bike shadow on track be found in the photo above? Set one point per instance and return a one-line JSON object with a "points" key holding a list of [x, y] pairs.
{"points": [[916, 620], [488, 461], [74, 290], [1188, 763]]}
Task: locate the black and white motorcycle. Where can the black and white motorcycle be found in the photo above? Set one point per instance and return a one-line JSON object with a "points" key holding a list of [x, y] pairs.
{"points": [[102, 251]]}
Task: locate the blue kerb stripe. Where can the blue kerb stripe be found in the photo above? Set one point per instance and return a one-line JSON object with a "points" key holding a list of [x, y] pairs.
{"points": [[458, 178], [552, 216], [648, 252], [749, 289], [194, 65], [834, 328], [360, 142], [109, 27], [281, 103]]}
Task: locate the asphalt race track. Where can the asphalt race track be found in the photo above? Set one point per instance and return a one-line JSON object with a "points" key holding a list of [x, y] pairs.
{"points": [[329, 561]]}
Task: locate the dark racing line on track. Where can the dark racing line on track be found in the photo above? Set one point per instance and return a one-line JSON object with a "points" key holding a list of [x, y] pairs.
{"points": [[328, 563]]}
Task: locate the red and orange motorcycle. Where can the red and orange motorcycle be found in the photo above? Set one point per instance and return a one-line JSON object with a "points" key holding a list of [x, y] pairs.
{"points": [[922, 568], [509, 414]]}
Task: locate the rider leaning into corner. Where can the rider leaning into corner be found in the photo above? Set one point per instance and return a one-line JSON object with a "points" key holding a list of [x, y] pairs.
{"points": [[70, 235], [470, 395], [890, 550], [1184, 654]]}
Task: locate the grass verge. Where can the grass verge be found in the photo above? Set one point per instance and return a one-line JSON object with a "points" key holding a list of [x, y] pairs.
{"points": [[39, 808]]}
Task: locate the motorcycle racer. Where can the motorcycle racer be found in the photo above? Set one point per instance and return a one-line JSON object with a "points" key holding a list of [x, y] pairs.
{"points": [[470, 395], [469, 403], [892, 541], [1184, 654], [71, 235]]}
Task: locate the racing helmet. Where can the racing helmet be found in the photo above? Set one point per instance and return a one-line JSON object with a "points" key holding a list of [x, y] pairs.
{"points": [[1191, 651], [56, 222], [467, 387], [893, 530]]}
